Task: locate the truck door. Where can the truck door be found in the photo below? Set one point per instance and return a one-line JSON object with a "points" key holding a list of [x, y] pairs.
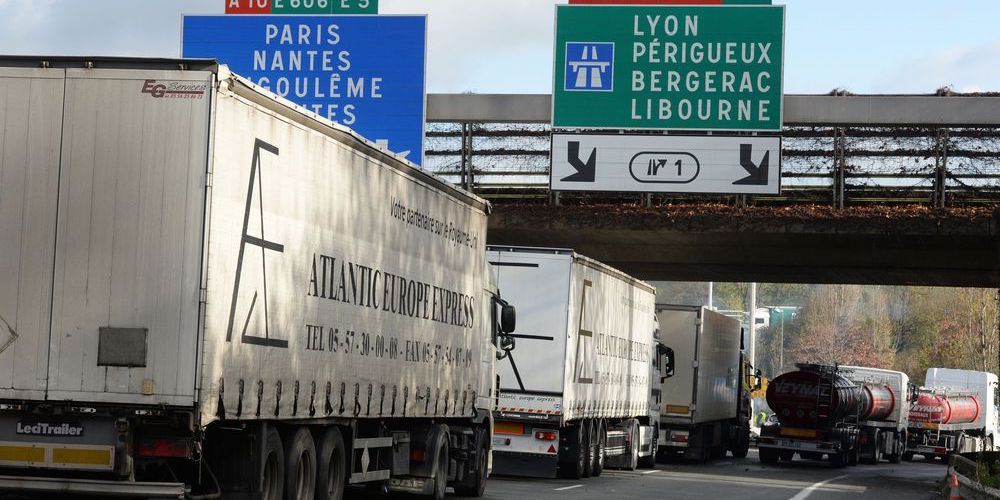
{"points": [[131, 196], [31, 103]]}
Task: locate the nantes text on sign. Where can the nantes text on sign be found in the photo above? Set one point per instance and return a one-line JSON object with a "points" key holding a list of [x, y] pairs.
{"points": [[365, 72], [666, 164], [301, 6], [669, 67]]}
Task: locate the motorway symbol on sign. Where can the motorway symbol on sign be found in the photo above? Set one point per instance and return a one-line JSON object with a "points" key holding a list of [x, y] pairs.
{"points": [[590, 67], [666, 164]]}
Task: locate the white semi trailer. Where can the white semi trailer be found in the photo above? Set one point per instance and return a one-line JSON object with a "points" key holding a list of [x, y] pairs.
{"points": [[575, 394], [208, 290], [705, 411]]}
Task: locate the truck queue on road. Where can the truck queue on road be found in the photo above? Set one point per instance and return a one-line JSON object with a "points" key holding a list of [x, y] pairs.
{"points": [[223, 295]]}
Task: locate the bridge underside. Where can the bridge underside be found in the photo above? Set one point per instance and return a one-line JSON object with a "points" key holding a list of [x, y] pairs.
{"points": [[884, 245]]}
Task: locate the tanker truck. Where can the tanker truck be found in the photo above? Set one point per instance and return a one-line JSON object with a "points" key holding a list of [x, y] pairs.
{"points": [[833, 411], [706, 397], [575, 394], [211, 292], [955, 412]]}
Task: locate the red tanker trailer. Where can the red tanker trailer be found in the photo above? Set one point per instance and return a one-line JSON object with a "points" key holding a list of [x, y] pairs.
{"points": [[955, 413], [844, 413], [935, 409]]}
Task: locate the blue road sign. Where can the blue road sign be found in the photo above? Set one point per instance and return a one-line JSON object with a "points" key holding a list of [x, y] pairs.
{"points": [[590, 67], [365, 72]]}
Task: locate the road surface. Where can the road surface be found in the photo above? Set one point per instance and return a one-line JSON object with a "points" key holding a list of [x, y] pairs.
{"points": [[737, 479]]}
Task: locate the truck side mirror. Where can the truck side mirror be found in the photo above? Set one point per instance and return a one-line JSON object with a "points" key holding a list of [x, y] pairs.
{"points": [[508, 318], [668, 364], [757, 375]]}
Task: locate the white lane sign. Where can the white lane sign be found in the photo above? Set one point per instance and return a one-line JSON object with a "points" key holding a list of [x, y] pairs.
{"points": [[666, 164]]}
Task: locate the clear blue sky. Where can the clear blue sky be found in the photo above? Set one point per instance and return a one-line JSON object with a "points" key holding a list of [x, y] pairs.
{"points": [[504, 46]]}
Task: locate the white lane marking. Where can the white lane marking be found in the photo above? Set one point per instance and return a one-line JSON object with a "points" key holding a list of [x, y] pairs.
{"points": [[650, 472], [802, 495], [564, 488]]}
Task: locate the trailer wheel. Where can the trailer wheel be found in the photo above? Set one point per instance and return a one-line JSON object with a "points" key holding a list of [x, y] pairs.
{"points": [[300, 465], [331, 461], [572, 453], [441, 465], [839, 459], [272, 481], [633, 460], [589, 448], [475, 485], [602, 444], [742, 447], [769, 456], [908, 456]]}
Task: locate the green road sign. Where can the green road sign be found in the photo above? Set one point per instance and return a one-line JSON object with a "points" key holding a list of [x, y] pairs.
{"points": [[669, 67]]}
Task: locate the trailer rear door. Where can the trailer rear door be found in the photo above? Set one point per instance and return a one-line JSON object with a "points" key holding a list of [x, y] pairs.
{"points": [[31, 103], [102, 195]]}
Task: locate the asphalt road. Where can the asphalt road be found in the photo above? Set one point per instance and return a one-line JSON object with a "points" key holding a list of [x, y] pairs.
{"points": [[737, 479], [722, 479]]}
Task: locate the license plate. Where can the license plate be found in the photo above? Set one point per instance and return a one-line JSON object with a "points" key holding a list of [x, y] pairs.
{"points": [[47, 428], [789, 444]]}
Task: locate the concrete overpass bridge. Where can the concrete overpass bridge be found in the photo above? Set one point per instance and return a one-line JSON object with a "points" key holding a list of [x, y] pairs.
{"points": [[876, 190]]}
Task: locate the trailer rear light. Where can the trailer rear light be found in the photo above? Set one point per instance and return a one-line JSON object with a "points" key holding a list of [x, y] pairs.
{"points": [[417, 455], [940, 451], [165, 448], [546, 435], [10, 407], [679, 438]]}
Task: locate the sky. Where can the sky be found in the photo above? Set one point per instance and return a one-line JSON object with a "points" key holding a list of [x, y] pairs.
{"points": [[505, 46]]}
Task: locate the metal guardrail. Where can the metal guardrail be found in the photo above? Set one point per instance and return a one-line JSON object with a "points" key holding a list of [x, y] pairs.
{"points": [[839, 166], [937, 150]]}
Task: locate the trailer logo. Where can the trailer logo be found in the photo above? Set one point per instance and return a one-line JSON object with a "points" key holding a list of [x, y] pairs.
{"points": [[173, 89], [250, 295], [49, 429]]}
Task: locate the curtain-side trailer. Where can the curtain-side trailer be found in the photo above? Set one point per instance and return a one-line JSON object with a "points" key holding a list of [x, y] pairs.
{"points": [[575, 394], [210, 290]]}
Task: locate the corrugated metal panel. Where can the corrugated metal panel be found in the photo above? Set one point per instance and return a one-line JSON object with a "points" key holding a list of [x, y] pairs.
{"points": [[129, 231], [30, 121]]}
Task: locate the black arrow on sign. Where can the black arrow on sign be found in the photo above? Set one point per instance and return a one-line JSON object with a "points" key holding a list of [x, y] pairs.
{"points": [[585, 172], [758, 174]]}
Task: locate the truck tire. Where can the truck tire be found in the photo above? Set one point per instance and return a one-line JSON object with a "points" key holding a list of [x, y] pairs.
{"points": [[602, 444], [769, 456], [633, 455], [300, 466], [440, 464], [572, 453], [839, 460], [331, 466], [908, 456], [272, 481], [475, 485], [741, 448], [589, 447]]}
